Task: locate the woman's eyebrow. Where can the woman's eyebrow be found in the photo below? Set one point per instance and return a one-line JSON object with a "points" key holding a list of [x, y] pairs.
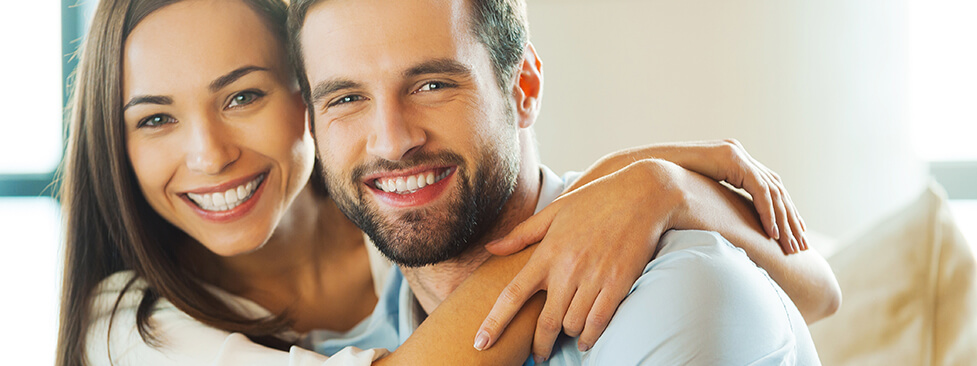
{"points": [[232, 76], [148, 99], [214, 86]]}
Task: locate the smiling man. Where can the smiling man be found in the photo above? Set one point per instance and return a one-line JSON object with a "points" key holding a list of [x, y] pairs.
{"points": [[423, 114]]}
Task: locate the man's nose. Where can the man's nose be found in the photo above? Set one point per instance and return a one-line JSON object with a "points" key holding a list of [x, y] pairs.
{"points": [[393, 134], [210, 147]]}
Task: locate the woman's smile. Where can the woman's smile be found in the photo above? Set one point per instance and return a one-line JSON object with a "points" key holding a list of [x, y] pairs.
{"points": [[227, 201]]}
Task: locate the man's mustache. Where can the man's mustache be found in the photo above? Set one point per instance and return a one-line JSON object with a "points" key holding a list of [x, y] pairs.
{"points": [[437, 158]]}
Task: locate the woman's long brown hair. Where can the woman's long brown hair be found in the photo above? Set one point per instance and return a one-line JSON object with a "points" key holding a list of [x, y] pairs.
{"points": [[109, 226]]}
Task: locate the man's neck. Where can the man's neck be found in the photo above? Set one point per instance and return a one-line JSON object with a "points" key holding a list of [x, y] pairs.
{"points": [[432, 284]]}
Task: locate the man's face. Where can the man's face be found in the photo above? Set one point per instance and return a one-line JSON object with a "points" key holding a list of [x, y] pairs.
{"points": [[418, 143]]}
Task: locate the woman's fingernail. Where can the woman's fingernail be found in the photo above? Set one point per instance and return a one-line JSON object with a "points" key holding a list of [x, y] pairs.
{"points": [[583, 347], [538, 359], [481, 340], [776, 232]]}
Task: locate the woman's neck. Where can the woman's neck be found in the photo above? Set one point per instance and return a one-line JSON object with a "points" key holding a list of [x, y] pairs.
{"points": [[314, 266]]}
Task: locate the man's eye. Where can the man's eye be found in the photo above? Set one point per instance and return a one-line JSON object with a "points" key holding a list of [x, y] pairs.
{"points": [[245, 98], [433, 85], [155, 120], [346, 99]]}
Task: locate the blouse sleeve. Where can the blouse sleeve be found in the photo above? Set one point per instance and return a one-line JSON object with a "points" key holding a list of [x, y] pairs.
{"points": [[183, 340]]}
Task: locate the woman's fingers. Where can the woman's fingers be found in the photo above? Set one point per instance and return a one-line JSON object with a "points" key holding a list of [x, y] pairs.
{"points": [[793, 218], [604, 307], [795, 222], [550, 323], [527, 233], [514, 295], [763, 200], [576, 318], [788, 243]]}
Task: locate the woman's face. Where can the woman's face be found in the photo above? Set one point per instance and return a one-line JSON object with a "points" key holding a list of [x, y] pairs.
{"points": [[215, 125]]}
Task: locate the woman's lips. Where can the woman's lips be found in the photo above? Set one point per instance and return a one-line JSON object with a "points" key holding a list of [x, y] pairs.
{"points": [[227, 205]]}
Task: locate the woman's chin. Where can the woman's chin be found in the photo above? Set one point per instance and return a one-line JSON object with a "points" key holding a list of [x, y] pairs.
{"points": [[230, 248]]}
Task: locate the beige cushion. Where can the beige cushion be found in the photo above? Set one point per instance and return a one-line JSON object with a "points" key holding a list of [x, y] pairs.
{"points": [[910, 295]]}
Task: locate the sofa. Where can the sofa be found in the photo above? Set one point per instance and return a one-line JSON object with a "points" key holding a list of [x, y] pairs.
{"points": [[909, 286]]}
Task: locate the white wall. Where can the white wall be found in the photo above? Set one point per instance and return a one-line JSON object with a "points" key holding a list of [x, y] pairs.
{"points": [[814, 89]]}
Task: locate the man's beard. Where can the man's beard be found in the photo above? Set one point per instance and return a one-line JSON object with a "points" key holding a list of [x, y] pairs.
{"points": [[431, 235]]}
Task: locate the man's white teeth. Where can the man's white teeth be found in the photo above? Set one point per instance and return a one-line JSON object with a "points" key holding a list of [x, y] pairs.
{"points": [[223, 201], [410, 184]]}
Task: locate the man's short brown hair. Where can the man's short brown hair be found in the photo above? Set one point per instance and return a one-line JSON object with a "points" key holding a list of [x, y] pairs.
{"points": [[500, 25]]}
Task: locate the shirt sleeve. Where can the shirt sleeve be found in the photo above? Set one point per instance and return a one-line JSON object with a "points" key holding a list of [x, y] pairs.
{"points": [[703, 302], [187, 342]]}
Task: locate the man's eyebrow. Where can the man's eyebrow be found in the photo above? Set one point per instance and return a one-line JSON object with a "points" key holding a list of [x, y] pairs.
{"points": [[330, 86], [439, 66], [232, 76], [148, 99]]}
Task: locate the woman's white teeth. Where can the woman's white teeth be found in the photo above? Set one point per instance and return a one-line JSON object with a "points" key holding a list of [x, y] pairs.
{"points": [[410, 184], [223, 201]]}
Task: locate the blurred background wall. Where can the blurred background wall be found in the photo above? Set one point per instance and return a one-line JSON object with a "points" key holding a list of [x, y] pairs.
{"points": [[816, 90], [854, 102]]}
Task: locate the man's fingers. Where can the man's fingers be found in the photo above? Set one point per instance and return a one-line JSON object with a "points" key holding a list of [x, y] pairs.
{"points": [[513, 296], [550, 323], [527, 233]]}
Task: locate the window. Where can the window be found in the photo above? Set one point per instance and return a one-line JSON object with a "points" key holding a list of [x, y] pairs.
{"points": [[38, 37], [942, 95]]}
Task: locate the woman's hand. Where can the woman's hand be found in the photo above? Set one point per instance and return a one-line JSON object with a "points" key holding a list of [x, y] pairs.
{"points": [[612, 191], [724, 161], [585, 283]]}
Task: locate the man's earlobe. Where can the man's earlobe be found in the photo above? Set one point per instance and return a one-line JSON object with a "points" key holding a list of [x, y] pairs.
{"points": [[529, 87]]}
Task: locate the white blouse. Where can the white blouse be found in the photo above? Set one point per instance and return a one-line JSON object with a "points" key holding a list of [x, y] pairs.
{"points": [[185, 341]]}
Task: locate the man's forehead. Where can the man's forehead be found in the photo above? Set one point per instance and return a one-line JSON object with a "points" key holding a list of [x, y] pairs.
{"points": [[346, 34]]}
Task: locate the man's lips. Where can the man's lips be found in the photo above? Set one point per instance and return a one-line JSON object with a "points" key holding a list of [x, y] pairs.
{"points": [[411, 188], [407, 183]]}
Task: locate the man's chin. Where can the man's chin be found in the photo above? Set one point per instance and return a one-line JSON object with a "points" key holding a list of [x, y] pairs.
{"points": [[412, 241]]}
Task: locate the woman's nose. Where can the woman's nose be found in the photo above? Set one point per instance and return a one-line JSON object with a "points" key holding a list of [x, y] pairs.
{"points": [[211, 148]]}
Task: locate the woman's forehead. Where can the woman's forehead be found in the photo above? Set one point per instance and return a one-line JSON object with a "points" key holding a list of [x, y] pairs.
{"points": [[192, 42]]}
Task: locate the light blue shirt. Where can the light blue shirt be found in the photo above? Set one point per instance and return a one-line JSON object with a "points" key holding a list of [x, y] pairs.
{"points": [[701, 301]]}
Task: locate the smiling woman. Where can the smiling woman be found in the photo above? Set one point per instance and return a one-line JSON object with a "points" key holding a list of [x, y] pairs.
{"points": [[221, 130], [197, 232]]}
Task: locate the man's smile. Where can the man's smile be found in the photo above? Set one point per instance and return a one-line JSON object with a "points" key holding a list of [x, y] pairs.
{"points": [[412, 188]]}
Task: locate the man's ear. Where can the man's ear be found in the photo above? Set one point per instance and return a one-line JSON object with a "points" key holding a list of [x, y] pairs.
{"points": [[528, 89]]}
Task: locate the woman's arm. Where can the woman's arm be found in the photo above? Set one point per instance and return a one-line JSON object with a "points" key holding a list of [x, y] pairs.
{"points": [[703, 204], [445, 337], [644, 199], [805, 277]]}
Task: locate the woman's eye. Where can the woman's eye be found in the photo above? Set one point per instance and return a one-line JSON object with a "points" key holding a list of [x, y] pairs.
{"points": [[155, 120], [346, 99], [244, 98]]}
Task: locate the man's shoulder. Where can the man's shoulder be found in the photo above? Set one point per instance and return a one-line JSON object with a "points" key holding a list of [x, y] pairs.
{"points": [[703, 301]]}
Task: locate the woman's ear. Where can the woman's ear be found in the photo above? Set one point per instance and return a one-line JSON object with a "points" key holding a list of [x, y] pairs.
{"points": [[528, 89]]}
